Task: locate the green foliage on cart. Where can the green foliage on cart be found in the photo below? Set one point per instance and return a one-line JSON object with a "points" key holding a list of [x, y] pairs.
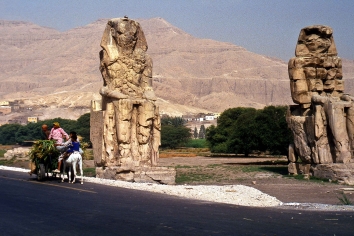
{"points": [[44, 152]]}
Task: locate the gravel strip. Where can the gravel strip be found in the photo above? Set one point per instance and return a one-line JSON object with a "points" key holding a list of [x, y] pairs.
{"points": [[230, 194], [316, 207]]}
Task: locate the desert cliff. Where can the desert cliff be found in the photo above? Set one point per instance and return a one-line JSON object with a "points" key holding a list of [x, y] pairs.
{"points": [[53, 71]]}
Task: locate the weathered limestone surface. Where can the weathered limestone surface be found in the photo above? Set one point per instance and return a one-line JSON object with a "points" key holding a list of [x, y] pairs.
{"points": [[322, 122], [126, 123], [343, 173], [299, 168], [96, 130], [162, 175], [19, 153]]}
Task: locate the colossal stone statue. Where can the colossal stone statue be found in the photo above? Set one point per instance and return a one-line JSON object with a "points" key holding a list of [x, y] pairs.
{"points": [[130, 130], [322, 122]]}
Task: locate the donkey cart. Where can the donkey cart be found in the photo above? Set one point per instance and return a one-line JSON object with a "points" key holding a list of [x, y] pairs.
{"points": [[44, 156]]}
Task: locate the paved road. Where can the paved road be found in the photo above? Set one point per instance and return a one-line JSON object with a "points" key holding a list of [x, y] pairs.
{"points": [[29, 207]]}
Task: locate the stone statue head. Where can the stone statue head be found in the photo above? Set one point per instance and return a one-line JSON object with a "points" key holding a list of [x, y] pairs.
{"points": [[123, 34], [315, 40]]}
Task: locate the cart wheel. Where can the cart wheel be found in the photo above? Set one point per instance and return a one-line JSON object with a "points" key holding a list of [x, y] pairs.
{"points": [[41, 172]]}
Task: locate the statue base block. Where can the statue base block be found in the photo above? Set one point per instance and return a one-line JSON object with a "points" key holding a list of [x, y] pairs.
{"points": [[157, 175], [299, 168], [343, 173]]}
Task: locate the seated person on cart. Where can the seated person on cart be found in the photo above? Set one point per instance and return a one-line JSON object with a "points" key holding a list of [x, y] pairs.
{"points": [[45, 132], [57, 134], [73, 146]]}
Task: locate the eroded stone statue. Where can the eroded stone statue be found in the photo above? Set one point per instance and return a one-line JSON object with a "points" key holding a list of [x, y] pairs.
{"points": [[322, 122], [130, 129]]}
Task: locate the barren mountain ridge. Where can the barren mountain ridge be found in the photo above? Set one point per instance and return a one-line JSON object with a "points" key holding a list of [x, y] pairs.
{"points": [[56, 73]]}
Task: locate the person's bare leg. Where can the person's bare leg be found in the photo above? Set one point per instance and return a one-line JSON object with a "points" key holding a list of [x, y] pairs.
{"points": [[59, 165]]}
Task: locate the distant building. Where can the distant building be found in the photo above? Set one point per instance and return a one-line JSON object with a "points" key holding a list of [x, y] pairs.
{"points": [[32, 119], [209, 117], [4, 103], [216, 115]]}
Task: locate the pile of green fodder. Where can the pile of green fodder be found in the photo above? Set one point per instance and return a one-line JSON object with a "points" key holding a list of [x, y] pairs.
{"points": [[44, 152]]}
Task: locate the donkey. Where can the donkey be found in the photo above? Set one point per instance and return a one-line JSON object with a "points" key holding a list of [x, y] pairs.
{"points": [[74, 159]]}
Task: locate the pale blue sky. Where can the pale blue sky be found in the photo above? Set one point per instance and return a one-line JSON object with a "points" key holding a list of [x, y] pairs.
{"points": [[267, 27]]}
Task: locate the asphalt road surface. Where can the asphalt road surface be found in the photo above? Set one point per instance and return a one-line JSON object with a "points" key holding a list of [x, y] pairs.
{"points": [[30, 207]]}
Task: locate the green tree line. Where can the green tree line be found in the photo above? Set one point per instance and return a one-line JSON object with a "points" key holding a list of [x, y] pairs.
{"points": [[174, 133], [244, 130], [15, 133], [239, 130]]}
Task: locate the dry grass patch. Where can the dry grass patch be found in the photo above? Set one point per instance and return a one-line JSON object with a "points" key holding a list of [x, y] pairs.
{"points": [[221, 173], [176, 154], [183, 152]]}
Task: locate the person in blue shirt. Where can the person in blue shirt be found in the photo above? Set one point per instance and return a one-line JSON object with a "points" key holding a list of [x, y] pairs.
{"points": [[73, 146]]}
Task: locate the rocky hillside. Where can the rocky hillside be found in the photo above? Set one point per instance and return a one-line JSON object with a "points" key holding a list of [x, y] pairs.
{"points": [[58, 70]]}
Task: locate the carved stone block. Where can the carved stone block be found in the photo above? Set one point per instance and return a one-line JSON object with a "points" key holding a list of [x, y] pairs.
{"points": [[163, 175], [96, 133], [292, 154], [343, 173], [300, 91], [299, 168], [160, 175]]}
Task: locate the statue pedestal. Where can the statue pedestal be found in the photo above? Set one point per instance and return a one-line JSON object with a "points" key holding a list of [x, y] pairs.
{"points": [[343, 173], [158, 175]]}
